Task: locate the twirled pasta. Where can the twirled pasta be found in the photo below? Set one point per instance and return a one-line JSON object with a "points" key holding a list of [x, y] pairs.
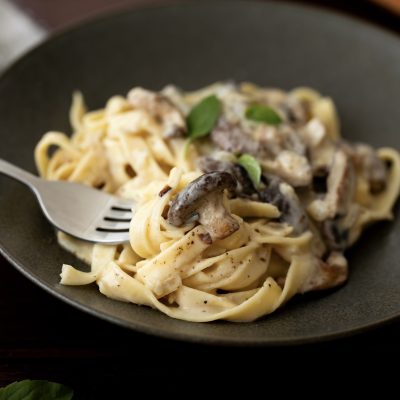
{"points": [[123, 149]]}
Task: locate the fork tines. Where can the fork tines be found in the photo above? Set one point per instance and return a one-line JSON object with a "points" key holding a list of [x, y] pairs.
{"points": [[116, 219]]}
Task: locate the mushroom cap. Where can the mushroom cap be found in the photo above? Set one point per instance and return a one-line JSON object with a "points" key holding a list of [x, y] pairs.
{"points": [[189, 200]]}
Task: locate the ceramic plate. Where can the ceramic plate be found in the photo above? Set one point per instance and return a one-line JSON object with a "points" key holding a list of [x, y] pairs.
{"points": [[275, 44]]}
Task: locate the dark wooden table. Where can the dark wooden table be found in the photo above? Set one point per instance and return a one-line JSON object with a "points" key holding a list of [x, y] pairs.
{"points": [[43, 338]]}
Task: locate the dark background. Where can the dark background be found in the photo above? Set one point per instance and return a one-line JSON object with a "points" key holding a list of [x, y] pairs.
{"points": [[43, 338]]}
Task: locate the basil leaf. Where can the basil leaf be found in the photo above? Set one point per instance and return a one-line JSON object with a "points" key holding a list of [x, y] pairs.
{"points": [[263, 113], [203, 117], [36, 390], [252, 167]]}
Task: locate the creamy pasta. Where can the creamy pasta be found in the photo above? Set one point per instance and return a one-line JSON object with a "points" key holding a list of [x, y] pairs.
{"points": [[244, 196]]}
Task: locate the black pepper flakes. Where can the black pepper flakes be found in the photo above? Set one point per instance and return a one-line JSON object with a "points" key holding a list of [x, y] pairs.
{"points": [[205, 238]]}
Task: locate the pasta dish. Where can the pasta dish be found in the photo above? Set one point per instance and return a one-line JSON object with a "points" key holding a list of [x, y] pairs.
{"points": [[242, 196]]}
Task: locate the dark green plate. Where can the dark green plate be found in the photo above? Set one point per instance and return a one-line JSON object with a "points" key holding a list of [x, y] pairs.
{"points": [[275, 44]]}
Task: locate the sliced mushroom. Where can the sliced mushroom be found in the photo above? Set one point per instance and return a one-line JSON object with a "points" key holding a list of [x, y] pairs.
{"points": [[292, 140], [232, 138], [283, 196], [296, 111], [244, 187], [340, 185], [371, 166], [161, 109], [274, 139], [269, 145], [335, 236], [203, 199]]}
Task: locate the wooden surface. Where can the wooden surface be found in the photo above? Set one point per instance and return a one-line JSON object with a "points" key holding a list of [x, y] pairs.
{"points": [[42, 338], [393, 5]]}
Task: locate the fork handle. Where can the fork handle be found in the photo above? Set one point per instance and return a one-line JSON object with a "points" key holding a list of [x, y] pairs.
{"points": [[17, 173]]}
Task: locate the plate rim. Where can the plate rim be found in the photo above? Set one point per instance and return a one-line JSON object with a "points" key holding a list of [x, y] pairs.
{"points": [[144, 8]]}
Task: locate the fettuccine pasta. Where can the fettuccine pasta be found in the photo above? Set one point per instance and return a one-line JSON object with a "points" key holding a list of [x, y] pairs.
{"points": [[244, 196]]}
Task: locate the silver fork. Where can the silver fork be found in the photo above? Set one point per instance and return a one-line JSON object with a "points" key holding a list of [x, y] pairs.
{"points": [[76, 209]]}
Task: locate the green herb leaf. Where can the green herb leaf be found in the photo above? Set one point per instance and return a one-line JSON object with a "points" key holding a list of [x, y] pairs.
{"points": [[252, 167], [263, 113], [36, 390], [203, 117], [186, 147]]}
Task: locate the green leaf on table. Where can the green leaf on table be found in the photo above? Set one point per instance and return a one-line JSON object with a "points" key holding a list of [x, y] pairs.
{"points": [[202, 117], [36, 390], [263, 113], [252, 167]]}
